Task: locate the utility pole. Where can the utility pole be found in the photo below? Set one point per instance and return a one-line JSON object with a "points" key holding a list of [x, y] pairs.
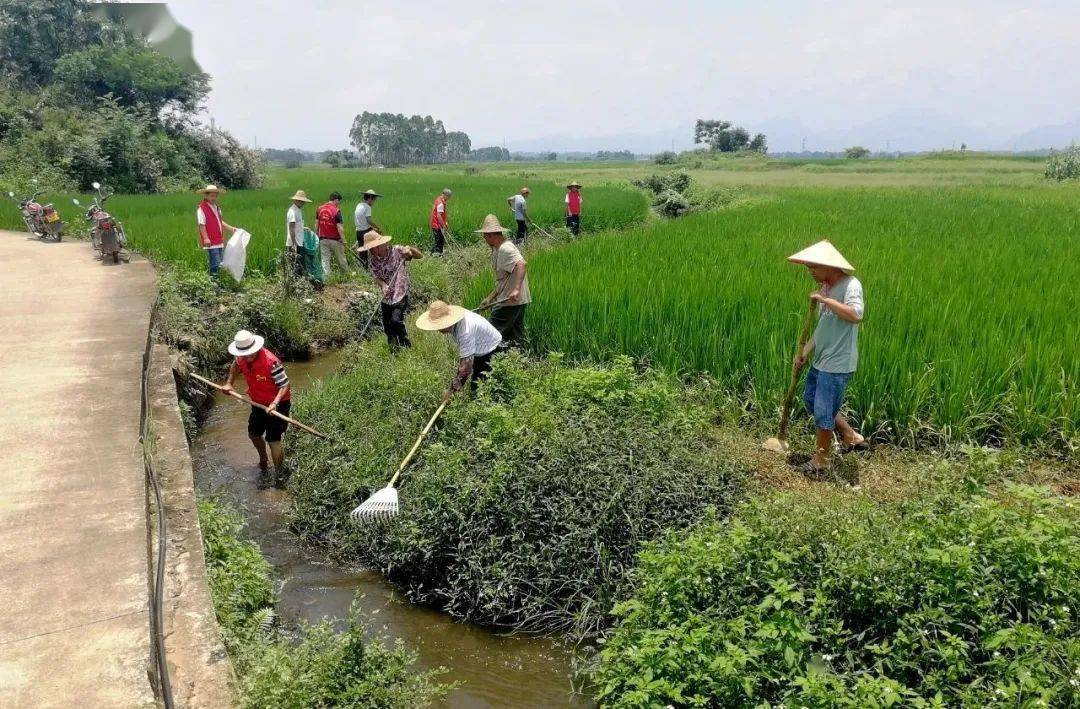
{"points": [[804, 144]]}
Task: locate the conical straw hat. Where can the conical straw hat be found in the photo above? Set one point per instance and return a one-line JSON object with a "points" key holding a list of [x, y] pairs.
{"points": [[491, 225], [373, 239], [300, 196], [439, 315], [823, 253], [575, 183], [370, 193]]}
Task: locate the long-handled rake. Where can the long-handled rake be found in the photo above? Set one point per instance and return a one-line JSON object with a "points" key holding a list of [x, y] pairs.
{"points": [[779, 444], [384, 503], [541, 229]]}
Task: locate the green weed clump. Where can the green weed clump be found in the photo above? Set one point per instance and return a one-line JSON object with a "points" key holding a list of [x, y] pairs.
{"points": [[970, 327], [960, 599], [526, 506], [313, 666]]}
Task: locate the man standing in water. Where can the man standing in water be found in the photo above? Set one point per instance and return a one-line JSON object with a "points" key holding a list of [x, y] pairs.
{"points": [[389, 271], [835, 349], [519, 207], [212, 227], [267, 384], [364, 222], [440, 220], [474, 336], [511, 295]]}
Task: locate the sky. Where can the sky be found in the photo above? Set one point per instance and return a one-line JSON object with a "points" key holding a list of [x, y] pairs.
{"points": [[561, 75]]}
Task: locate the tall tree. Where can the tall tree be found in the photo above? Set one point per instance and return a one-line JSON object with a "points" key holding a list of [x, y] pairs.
{"points": [[723, 136]]}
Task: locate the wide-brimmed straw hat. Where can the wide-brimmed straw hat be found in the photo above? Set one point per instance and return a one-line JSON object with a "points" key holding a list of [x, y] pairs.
{"points": [[823, 253], [491, 225], [373, 239], [300, 196], [440, 316], [575, 183], [245, 343], [210, 188], [370, 193]]}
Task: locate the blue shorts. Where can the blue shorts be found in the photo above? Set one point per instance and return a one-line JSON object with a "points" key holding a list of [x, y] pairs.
{"points": [[823, 396]]}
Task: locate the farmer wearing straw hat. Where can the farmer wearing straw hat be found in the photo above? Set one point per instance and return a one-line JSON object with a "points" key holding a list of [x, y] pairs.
{"points": [[835, 348], [212, 227], [364, 222], [573, 207], [267, 384], [511, 295], [440, 221], [389, 271], [294, 231], [475, 337], [519, 207], [331, 231]]}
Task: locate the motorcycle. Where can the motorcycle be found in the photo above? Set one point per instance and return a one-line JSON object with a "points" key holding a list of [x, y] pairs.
{"points": [[106, 232], [42, 220]]}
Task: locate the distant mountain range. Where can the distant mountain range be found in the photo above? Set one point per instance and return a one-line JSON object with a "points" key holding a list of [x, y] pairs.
{"points": [[909, 130]]}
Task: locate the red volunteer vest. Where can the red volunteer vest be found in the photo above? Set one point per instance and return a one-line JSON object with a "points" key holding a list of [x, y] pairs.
{"points": [[212, 217], [326, 216], [574, 205], [436, 221], [261, 387]]}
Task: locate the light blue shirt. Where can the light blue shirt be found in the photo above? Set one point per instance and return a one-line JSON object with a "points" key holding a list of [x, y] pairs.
{"points": [[836, 347]]}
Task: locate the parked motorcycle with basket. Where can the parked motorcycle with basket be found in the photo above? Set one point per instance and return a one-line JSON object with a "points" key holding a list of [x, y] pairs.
{"points": [[42, 220], [106, 232]]}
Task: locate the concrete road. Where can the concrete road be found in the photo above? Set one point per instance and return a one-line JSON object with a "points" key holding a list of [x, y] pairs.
{"points": [[74, 621]]}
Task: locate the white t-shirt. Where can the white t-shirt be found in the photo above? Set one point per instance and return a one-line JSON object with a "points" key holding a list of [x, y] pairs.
{"points": [[294, 216], [200, 219], [361, 215], [518, 205], [475, 336]]}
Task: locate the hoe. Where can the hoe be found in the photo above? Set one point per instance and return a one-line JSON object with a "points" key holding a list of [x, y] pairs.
{"points": [[779, 444]]}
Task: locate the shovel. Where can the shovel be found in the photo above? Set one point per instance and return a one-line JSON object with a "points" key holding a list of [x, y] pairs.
{"points": [[384, 503], [779, 444]]}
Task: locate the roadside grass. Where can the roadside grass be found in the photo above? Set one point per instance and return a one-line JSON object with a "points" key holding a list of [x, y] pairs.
{"points": [[526, 505], [309, 666], [970, 325]]}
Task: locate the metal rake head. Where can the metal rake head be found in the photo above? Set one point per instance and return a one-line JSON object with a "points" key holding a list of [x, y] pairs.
{"points": [[382, 505]]}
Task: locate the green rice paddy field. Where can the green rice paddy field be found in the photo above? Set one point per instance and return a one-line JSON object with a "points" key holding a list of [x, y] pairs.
{"points": [[971, 326], [163, 226]]}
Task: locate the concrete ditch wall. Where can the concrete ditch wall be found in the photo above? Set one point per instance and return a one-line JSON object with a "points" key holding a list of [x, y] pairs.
{"points": [[201, 673]]}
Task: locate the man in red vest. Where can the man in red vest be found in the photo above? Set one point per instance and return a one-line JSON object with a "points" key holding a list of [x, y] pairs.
{"points": [[331, 231], [267, 384], [212, 227], [440, 220], [573, 207]]}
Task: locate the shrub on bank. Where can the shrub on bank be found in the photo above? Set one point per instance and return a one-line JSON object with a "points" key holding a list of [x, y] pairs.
{"points": [[312, 667], [528, 504], [957, 599]]}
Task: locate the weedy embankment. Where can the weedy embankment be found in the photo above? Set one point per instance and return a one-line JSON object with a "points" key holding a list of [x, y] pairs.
{"points": [[528, 504]]}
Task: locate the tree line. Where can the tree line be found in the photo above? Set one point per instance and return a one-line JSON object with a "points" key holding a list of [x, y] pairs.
{"points": [[84, 98], [396, 139]]}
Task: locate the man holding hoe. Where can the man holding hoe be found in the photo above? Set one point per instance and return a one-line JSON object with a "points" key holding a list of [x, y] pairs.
{"points": [[267, 384], [835, 349], [212, 227], [440, 221], [364, 222], [389, 271], [511, 295], [519, 206], [475, 337]]}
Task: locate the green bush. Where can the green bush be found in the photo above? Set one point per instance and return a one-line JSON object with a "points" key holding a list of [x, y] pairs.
{"points": [[311, 667], [956, 599], [526, 507], [1064, 165]]}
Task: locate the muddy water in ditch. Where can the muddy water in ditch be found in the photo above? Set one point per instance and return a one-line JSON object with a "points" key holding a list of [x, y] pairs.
{"points": [[493, 670]]}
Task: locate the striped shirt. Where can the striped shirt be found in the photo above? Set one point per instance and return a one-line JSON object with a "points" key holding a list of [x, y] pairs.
{"points": [[277, 373]]}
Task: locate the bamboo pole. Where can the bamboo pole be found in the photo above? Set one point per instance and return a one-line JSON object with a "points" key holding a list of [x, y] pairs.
{"points": [[241, 397]]}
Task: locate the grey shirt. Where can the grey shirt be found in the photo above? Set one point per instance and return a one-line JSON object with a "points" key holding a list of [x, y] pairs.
{"points": [[836, 340]]}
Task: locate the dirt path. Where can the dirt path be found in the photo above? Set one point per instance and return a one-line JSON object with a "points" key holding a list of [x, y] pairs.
{"points": [[73, 534]]}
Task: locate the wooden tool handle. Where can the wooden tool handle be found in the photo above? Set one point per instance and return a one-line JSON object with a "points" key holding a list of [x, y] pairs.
{"points": [[416, 446], [246, 400], [789, 395]]}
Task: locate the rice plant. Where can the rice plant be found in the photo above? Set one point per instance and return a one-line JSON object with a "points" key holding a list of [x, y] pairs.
{"points": [[971, 324]]}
